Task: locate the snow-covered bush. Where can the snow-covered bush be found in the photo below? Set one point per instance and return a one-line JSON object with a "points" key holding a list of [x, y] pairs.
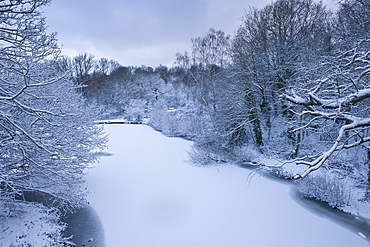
{"points": [[326, 187], [246, 153], [163, 119], [136, 111], [209, 153], [203, 156]]}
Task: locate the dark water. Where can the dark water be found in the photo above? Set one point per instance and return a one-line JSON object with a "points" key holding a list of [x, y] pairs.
{"points": [[84, 224], [357, 224], [85, 227]]}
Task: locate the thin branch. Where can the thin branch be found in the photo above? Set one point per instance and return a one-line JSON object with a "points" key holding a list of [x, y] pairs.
{"points": [[29, 136]]}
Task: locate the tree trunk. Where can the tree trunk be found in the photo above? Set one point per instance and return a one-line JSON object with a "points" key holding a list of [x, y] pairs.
{"points": [[368, 163], [253, 115]]}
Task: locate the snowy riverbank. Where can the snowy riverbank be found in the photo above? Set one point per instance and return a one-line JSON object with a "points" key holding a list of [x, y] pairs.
{"points": [[147, 195]]}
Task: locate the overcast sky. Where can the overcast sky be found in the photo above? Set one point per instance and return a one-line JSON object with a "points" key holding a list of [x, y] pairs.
{"points": [[141, 32]]}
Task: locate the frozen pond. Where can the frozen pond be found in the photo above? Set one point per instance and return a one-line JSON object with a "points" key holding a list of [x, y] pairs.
{"points": [[146, 194]]}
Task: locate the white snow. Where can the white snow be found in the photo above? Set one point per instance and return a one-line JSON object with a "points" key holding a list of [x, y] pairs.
{"points": [[32, 225], [146, 194]]}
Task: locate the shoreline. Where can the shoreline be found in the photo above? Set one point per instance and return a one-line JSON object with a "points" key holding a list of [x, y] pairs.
{"points": [[354, 223], [357, 224]]}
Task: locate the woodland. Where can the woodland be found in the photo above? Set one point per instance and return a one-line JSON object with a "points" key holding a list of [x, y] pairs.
{"points": [[288, 94]]}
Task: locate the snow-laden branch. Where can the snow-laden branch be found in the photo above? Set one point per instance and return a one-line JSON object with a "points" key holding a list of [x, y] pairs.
{"points": [[36, 84], [318, 162], [313, 100], [39, 145], [338, 104]]}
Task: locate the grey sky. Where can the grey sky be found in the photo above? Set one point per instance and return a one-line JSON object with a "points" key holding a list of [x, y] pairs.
{"points": [[141, 32]]}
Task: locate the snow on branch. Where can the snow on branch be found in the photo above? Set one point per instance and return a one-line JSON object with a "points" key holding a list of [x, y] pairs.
{"points": [[339, 105], [313, 100], [318, 162], [33, 140]]}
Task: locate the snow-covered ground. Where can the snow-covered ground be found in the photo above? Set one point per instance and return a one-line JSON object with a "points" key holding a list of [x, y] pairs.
{"points": [[147, 195], [34, 225]]}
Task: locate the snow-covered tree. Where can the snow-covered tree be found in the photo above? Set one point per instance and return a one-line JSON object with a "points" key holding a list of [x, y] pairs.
{"points": [[270, 50], [334, 102], [46, 134], [105, 66], [274, 41], [182, 60], [211, 49], [82, 66], [352, 22], [339, 100]]}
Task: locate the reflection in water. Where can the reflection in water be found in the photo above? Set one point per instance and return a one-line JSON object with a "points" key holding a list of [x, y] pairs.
{"points": [[85, 227]]}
